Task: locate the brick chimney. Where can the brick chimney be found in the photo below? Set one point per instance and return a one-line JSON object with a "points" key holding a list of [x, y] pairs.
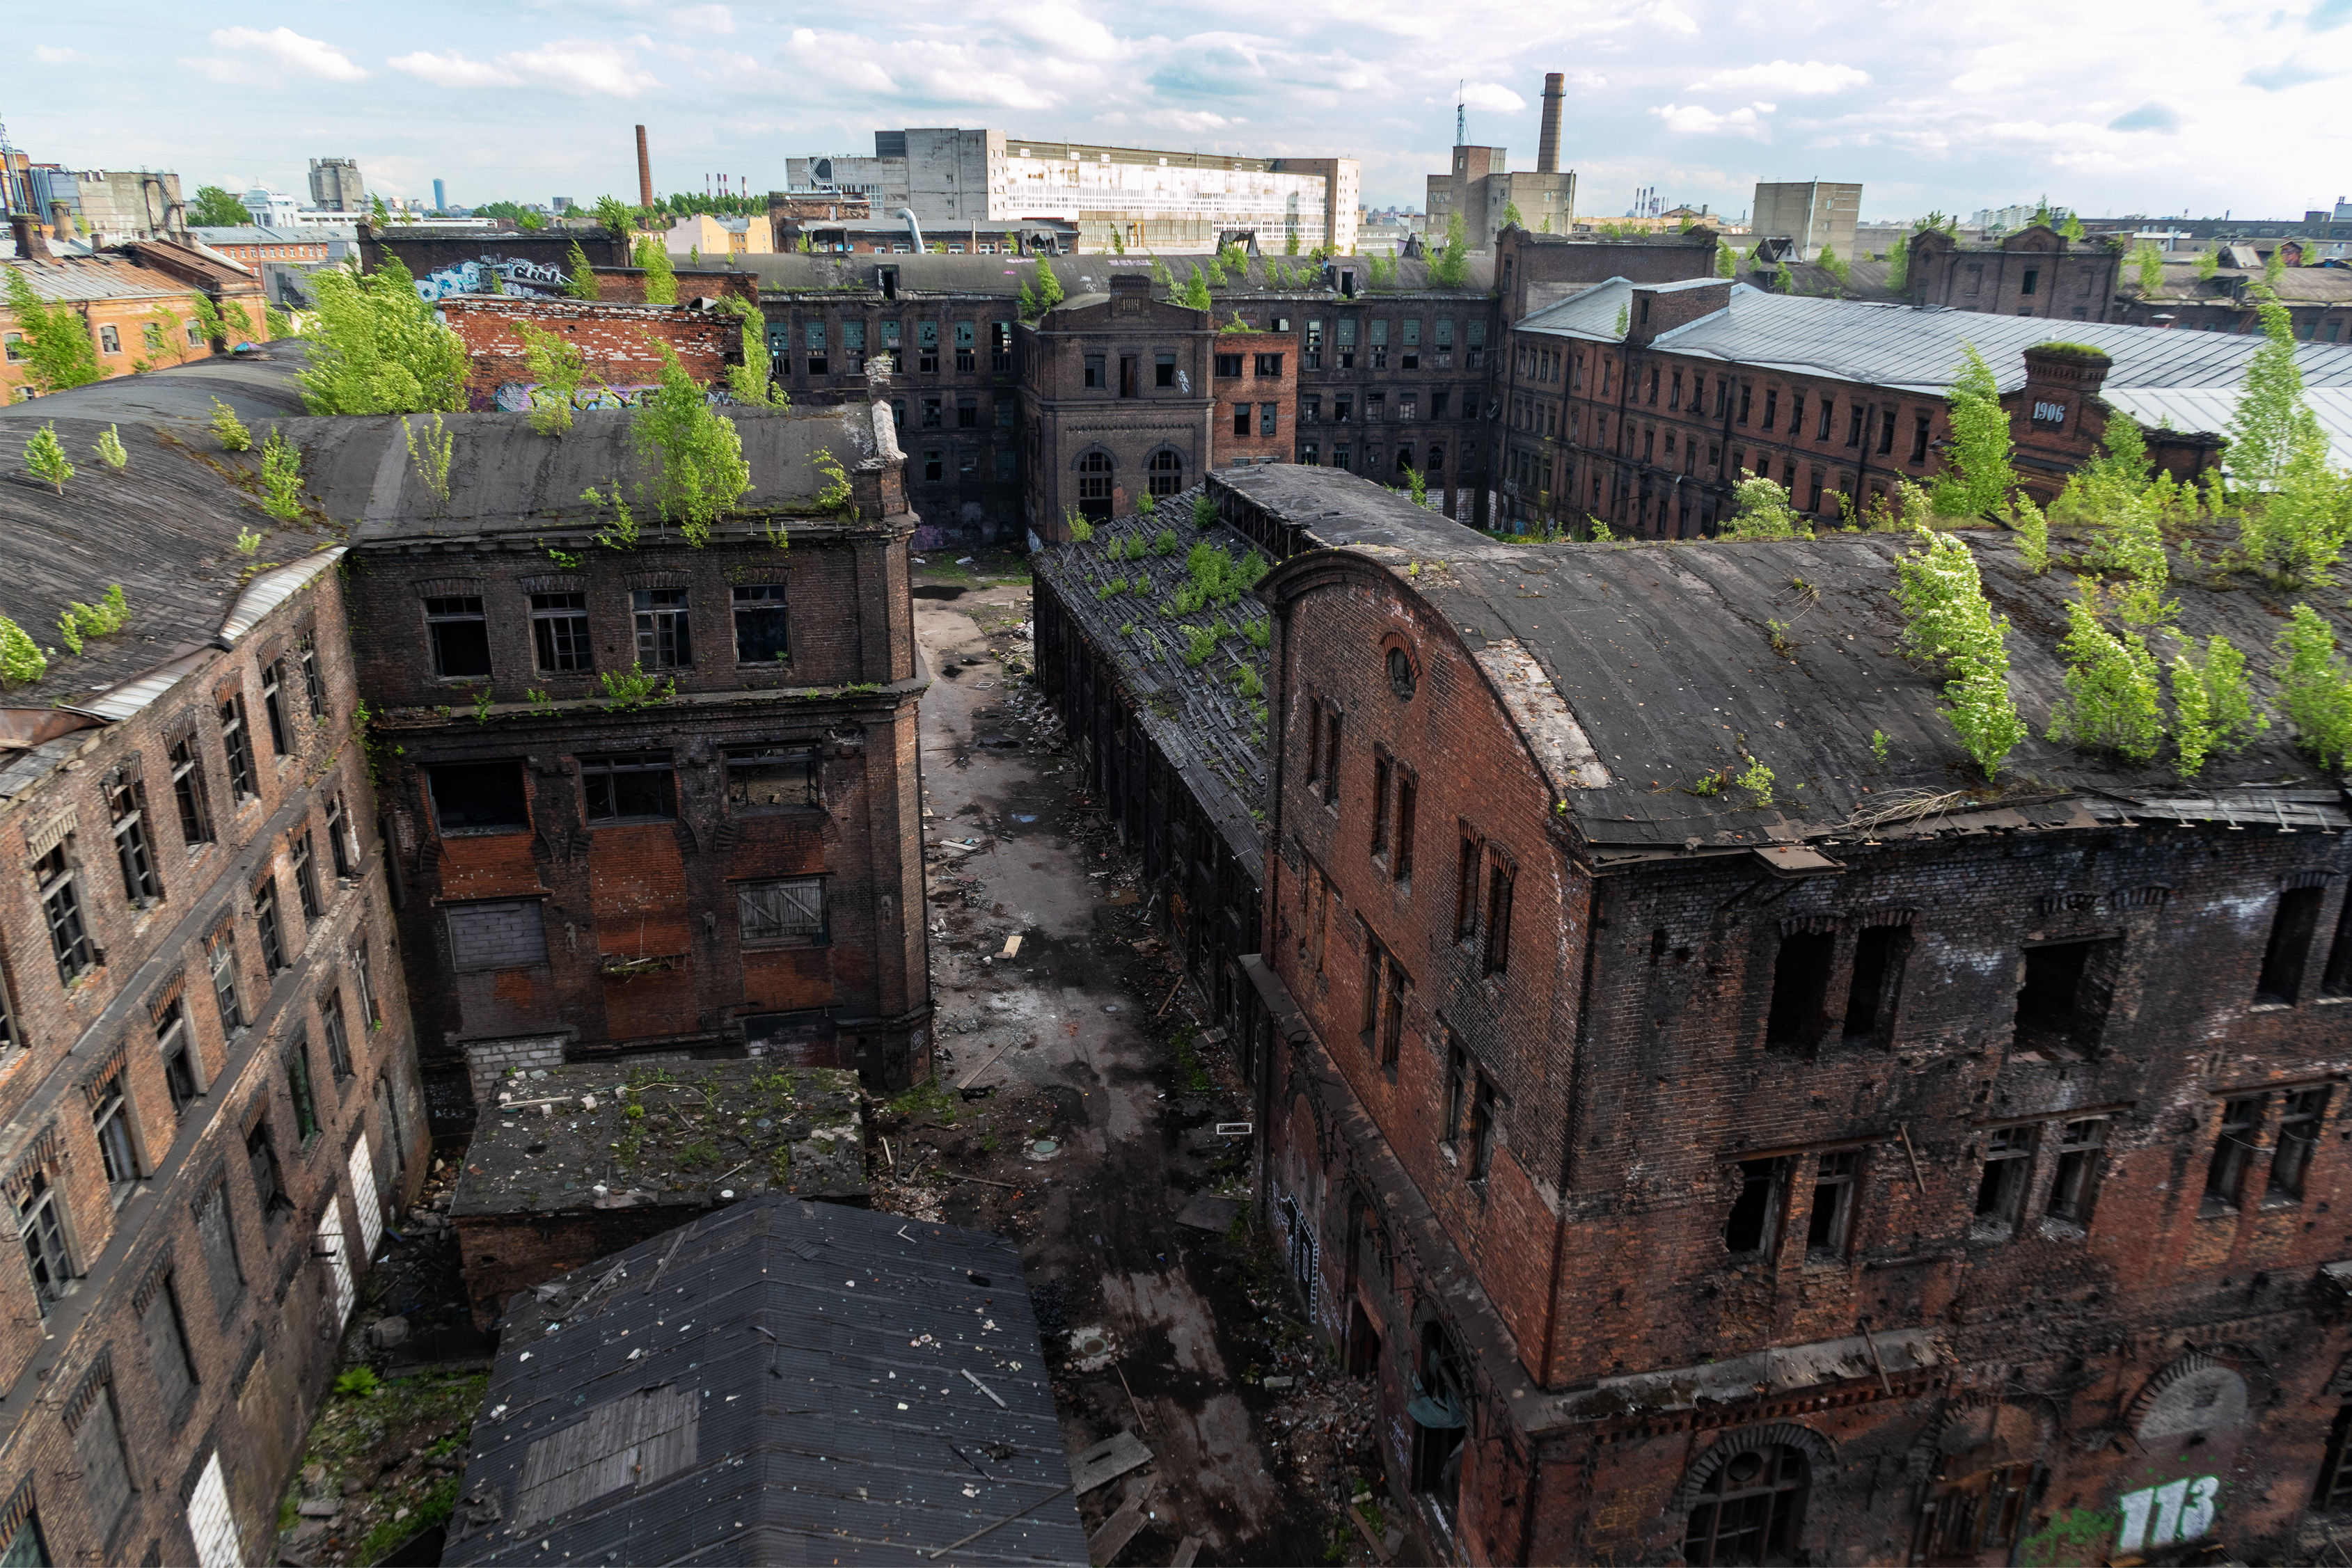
{"points": [[32, 243], [1661, 310], [1548, 144], [645, 171]]}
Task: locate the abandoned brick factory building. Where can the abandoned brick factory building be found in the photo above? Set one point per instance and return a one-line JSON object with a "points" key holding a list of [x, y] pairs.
{"points": [[1643, 405], [1723, 1136], [209, 1099]]}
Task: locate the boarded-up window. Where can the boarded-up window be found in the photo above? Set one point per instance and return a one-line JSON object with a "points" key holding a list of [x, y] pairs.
{"points": [[167, 1346], [636, 1440], [496, 935], [219, 1244], [105, 1468], [777, 911]]}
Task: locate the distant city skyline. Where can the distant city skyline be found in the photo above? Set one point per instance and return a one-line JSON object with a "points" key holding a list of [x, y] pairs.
{"points": [[2180, 112]]}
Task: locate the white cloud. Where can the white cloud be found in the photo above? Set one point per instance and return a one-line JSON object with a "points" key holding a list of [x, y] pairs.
{"points": [[589, 67], [49, 57], [281, 47], [1789, 77], [1669, 16], [1492, 95], [1698, 119], [1192, 122]]}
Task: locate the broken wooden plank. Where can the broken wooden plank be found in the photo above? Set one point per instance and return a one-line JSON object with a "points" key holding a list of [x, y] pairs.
{"points": [[1364, 1529], [1012, 947], [1186, 1550], [987, 1064], [1106, 1543], [984, 1388], [1107, 1460]]}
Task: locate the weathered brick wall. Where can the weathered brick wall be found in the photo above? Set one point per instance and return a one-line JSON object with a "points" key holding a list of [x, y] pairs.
{"points": [[1064, 419], [261, 1353], [1254, 391], [489, 1060], [622, 344]]}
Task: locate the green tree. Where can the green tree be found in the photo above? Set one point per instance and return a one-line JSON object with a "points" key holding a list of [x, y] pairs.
{"points": [[661, 277], [1948, 620], [378, 210], [614, 216], [1196, 292], [1836, 267], [1725, 259], [2111, 686], [1783, 280], [581, 280], [109, 450], [1976, 476], [2071, 229], [2315, 689], [1760, 510], [2272, 421], [697, 454], [558, 366], [1511, 214], [376, 348], [1451, 266], [1049, 285], [2209, 262], [751, 383], [1898, 264], [1290, 242], [2213, 706], [45, 458], [57, 348], [2148, 261], [2275, 265], [215, 208]]}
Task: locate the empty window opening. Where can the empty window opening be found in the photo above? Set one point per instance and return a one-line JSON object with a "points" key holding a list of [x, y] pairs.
{"points": [[2292, 929], [2066, 995], [2234, 1151], [126, 803], [167, 1349], [269, 1181], [1755, 1212], [109, 1121], [265, 921], [298, 1085], [306, 875], [460, 637], [1801, 981], [759, 632], [2000, 1191], [189, 794], [559, 632], [1164, 473], [1496, 957], [1918, 438], [2298, 1136], [273, 682], [53, 881], [771, 779], [172, 1044], [640, 786], [1383, 780], [1871, 993], [1441, 1424], [314, 690], [1751, 1510], [2074, 1184], [665, 638], [37, 1221], [239, 745], [477, 797], [1832, 1221], [1401, 853], [216, 1238]]}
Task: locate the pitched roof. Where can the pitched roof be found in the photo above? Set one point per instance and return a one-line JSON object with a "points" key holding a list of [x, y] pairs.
{"points": [[781, 1382], [100, 276]]}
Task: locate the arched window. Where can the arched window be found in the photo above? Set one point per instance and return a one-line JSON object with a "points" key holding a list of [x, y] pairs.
{"points": [[1751, 1510], [1094, 487], [1165, 471]]}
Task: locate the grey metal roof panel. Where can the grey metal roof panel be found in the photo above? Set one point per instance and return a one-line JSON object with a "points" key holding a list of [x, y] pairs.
{"points": [[825, 1349], [2209, 409], [95, 277]]}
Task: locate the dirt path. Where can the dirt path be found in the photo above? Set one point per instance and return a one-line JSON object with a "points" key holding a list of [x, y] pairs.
{"points": [[1084, 1068]]}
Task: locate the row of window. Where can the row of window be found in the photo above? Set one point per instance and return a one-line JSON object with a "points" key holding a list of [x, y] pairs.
{"points": [[1344, 347], [1344, 455], [1375, 407], [632, 787], [818, 340], [1262, 367], [152, 334], [512, 934], [457, 631]]}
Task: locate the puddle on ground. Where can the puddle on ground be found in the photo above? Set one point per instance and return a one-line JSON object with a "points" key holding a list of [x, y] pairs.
{"points": [[938, 591]]}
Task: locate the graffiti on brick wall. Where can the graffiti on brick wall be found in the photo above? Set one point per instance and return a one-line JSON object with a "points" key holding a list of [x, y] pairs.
{"points": [[2165, 1515], [515, 397], [516, 276]]}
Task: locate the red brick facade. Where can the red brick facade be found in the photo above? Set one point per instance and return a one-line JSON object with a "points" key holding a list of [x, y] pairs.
{"points": [[621, 343], [1255, 381], [1634, 1252]]}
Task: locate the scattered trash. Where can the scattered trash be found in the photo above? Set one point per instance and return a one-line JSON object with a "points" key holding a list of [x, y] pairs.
{"points": [[1091, 1350], [1278, 1383]]}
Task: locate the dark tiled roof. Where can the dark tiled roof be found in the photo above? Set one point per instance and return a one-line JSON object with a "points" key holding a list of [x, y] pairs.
{"points": [[1087, 273], [779, 1382]]}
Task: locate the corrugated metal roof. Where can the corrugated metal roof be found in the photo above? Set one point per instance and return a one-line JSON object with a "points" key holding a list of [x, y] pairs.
{"points": [[95, 277], [1914, 350], [790, 1376], [2210, 408]]}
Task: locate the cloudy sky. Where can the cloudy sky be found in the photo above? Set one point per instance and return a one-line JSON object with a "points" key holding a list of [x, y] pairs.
{"points": [[2183, 105]]}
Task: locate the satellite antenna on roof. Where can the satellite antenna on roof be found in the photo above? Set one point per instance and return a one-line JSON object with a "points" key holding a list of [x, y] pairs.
{"points": [[1461, 113]]}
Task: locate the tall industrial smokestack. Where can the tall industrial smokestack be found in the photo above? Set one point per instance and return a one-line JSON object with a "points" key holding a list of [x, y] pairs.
{"points": [[645, 171], [1548, 144]]}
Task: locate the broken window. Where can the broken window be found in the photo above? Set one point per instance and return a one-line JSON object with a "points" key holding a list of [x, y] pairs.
{"points": [[338, 1044], [1747, 397], [1751, 1511], [2298, 1136], [1772, 406], [364, 976], [760, 630], [772, 778], [1473, 341], [341, 841], [167, 1348], [1383, 777], [638, 787], [1829, 406], [813, 337], [105, 1467], [1885, 433], [559, 632], [2292, 929], [306, 875], [172, 1044], [265, 920], [1000, 346], [934, 464], [1331, 721], [53, 883], [1241, 419], [1392, 1019], [1267, 367], [1918, 437], [1313, 350], [126, 803], [1983, 1514], [1095, 371], [665, 639], [1496, 954], [1375, 407], [968, 410], [967, 345], [2064, 999], [273, 680], [477, 797], [298, 1085], [1347, 342], [39, 1222], [460, 636], [1095, 475], [108, 1120], [1828, 1229], [1800, 979], [1756, 1210], [2074, 1185], [1228, 365], [1470, 858], [220, 954], [1878, 957], [932, 417], [1310, 411], [2000, 1190], [216, 1238], [1401, 851], [188, 792], [268, 1182], [2233, 1150], [927, 347], [239, 745], [852, 345], [1343, 408], [791, 909]]}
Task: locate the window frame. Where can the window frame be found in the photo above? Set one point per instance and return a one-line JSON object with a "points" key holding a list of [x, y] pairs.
{"points": [[190, 794], [612, 767], [785, 755], [54, 884], [459, 610], [762, 602], [562, 643], [237, 745], [664, 628]]}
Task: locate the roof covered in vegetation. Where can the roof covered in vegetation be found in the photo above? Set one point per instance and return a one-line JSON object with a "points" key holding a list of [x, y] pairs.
{"points": [[781, 1382], [614, 1135]]}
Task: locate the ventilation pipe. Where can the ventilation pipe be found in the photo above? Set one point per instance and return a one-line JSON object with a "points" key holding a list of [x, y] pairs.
{"points": [[914, 229]]}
